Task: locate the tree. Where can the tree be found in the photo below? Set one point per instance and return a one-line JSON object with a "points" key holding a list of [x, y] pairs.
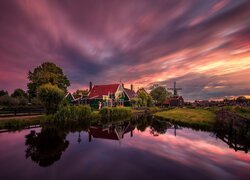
{"points": [[19, 93], [144, 98], [150, 101], [134, 102], [7, 100], [50, 96], [47, 72], [2, 93], [80, 93], [160, 94]]}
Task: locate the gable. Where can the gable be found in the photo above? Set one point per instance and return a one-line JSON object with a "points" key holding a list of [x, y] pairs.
{"points": [[98, 91]]}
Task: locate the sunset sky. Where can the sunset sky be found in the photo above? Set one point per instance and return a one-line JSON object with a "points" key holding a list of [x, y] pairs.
{"points": [[203, 45]]}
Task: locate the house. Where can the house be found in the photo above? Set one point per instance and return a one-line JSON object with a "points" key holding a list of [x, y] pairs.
{"points": [[69, 98], [129, 94], [175, 101], [109, 95]]}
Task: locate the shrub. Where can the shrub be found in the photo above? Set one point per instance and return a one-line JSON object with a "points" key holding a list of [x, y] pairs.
{"points": [[22, 101], [72, 113], [115, 112], [50, 96], [134, 102], [7, 100]]}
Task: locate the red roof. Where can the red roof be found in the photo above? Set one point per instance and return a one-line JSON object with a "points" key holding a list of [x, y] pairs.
{"points": [[99, 90], [98, 132]]}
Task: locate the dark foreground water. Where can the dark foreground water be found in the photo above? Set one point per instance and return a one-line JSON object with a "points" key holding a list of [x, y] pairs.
{"points": [[121, 150]]}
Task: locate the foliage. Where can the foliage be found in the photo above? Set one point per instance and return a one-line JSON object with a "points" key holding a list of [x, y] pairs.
{"points": [[134, 102], [80, 93], [19, 93], [72, 113], [16, 124], [35, 101], [150, 101], [7, 100], [144, 97], [2, 93], [115, 112], [47, 72], [160, 94], [50, 96], [143, 100], [22, 101]]}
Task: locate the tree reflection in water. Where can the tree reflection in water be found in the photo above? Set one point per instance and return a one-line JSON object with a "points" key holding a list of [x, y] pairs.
{"points": [[47, 146]]}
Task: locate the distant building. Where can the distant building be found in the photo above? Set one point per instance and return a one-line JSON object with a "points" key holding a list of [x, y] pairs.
{"points": [[176, 101]]}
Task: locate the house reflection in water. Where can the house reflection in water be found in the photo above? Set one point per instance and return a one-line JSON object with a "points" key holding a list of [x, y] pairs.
{"points": [[111, 132]]}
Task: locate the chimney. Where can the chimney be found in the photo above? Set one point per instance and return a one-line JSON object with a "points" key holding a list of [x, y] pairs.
{"points": [[131, 87], [90, 86]]}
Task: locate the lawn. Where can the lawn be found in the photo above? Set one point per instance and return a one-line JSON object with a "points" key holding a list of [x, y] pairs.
{"points": [[188, 116]]}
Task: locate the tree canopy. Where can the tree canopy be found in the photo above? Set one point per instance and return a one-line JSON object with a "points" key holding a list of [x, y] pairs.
{"points": [[47, 72], [19, 93], [160, 94], [50, 96], [2, 93], [80, 93]]}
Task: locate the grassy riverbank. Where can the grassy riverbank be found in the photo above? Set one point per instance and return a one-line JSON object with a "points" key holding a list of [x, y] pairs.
{"points": [[18, 123], [115, 112], [189, 117], [67, 114]]}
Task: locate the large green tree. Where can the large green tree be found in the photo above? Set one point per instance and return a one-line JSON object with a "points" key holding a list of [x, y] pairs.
{"points": [[51, 96], [47, 72], [160, 94], [144, 99]]}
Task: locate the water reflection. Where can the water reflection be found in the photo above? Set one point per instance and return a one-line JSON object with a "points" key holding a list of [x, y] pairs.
{"points": [[113, 131], [47, 146], [146, 147]]}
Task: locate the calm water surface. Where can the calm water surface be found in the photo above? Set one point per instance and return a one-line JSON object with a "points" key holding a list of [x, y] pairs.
{"points": [[121, 150]]}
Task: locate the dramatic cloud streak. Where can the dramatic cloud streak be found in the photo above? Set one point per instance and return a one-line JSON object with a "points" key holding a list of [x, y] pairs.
{"points": [[204, 45]]}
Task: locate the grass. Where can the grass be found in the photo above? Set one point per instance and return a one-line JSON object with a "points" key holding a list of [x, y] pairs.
{"points": [[72, 113], [115, 112], [16, 124], [242, 111], [189, 117]]}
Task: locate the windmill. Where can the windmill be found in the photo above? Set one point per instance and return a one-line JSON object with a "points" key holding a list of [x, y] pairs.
{"points": [[175, 89]]}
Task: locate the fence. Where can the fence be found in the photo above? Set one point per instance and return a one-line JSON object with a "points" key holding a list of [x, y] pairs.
{"points": [[21, 111]]}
